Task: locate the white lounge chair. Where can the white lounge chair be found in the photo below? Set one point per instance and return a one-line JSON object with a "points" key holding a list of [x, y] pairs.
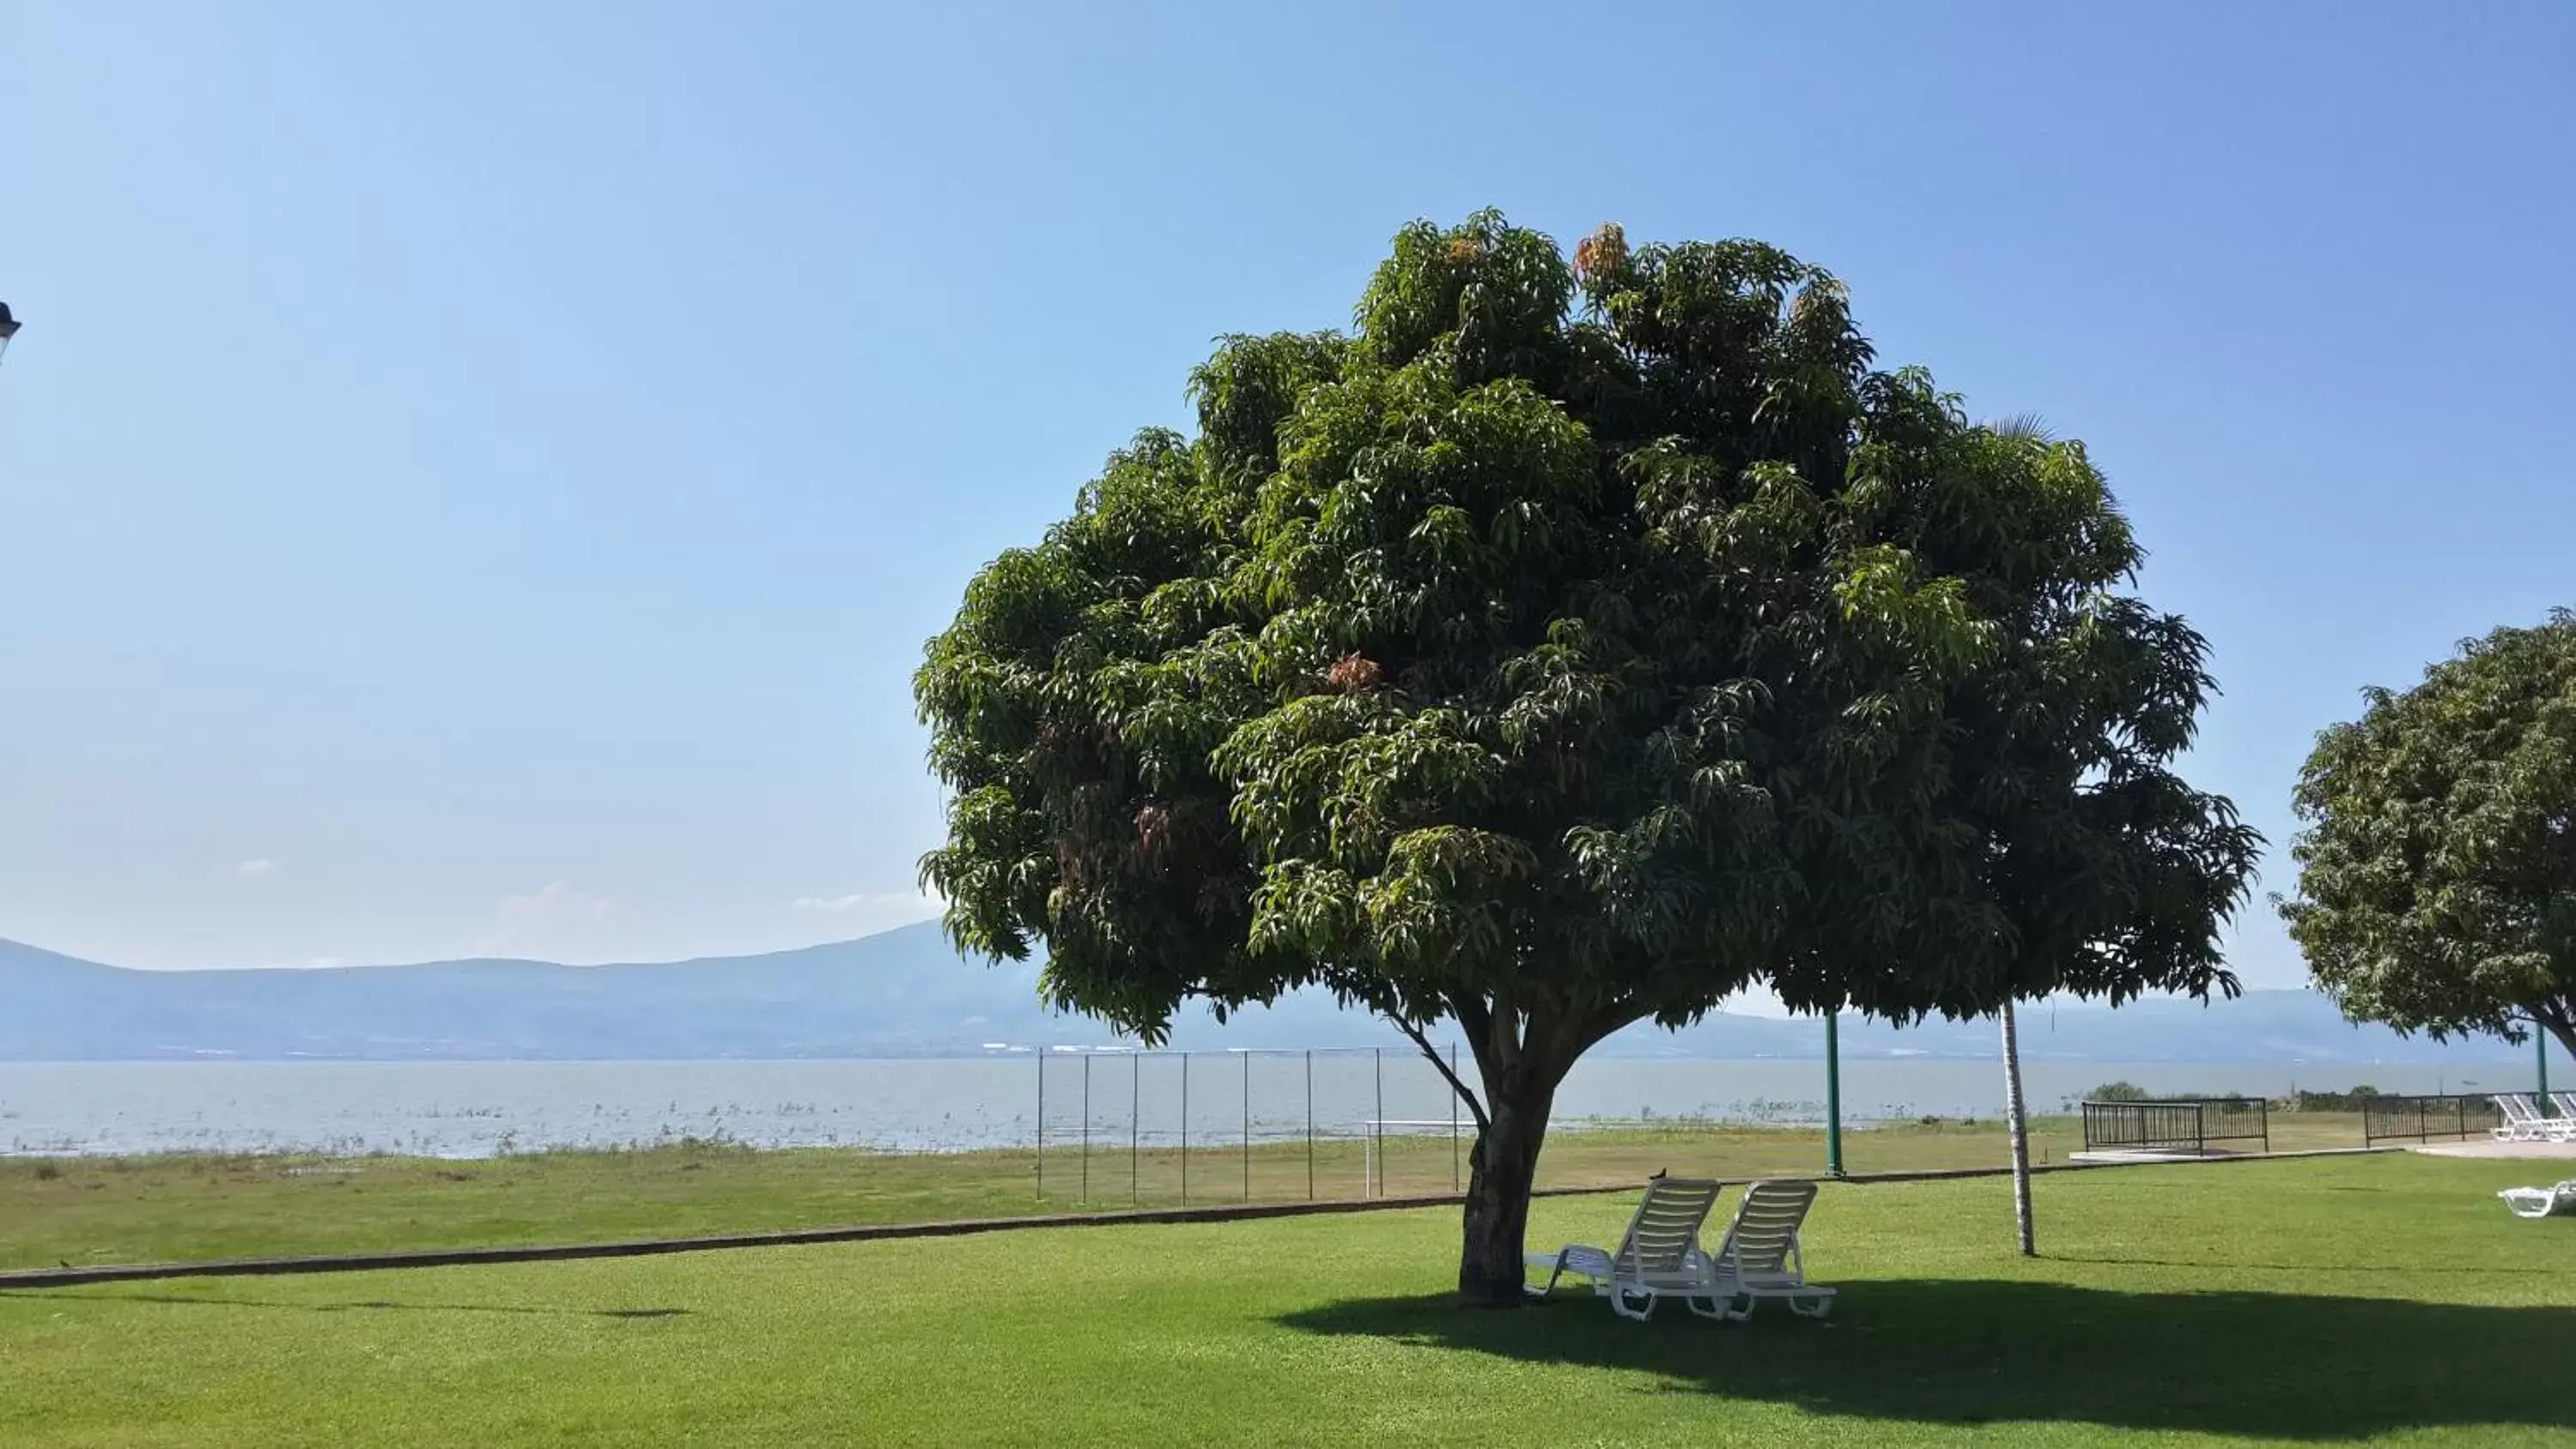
{"points": [[2557, 1127], [1658, 1257], [2516, 1112], [2523, 1122], [1760, 1257], [2541, 1202], [2566, 1104]]}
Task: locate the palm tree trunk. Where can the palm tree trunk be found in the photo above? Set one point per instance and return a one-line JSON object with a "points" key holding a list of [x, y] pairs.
{"points": [[2017, 1126]]}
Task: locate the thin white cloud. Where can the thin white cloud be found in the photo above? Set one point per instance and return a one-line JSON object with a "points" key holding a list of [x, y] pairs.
{"points": [[1758, 1000], [259, 868], [866, 911], [555, 901], [557, 919]]}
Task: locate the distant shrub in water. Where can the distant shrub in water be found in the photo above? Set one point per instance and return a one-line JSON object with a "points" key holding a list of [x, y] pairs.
{"points": [[47, 1172]]}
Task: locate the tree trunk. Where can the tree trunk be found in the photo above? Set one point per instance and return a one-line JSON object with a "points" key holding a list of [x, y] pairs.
{"points": [[2017, 1127], [1498, 1191]]}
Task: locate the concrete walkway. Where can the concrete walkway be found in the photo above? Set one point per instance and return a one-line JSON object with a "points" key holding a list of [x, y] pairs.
{"points": [[2484, 1147]]}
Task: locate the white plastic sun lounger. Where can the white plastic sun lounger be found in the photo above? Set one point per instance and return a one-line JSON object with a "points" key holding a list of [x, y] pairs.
{"points": [[2523, 1122], [2566, 1104], [2541, 1202], [1760, 1259], [1659, 1257], [2517, 1114], [2557, 1128]]}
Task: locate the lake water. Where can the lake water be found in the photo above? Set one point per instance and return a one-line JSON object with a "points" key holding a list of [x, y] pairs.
{"points": [[475, 1109]]}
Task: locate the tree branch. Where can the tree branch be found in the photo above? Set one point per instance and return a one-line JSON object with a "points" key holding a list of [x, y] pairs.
{"points": [[1470, 1014], [2556, 1021], [1617, 1016], [1475, 1108], [1503, 1036]]}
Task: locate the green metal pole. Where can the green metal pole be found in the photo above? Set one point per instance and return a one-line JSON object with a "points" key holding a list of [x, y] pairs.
{"points": [[1833, 1098], [2540, 1043]]}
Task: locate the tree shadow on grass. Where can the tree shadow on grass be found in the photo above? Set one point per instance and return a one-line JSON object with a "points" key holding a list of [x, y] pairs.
{"points": [[1997, 1351], [360, 1306]]}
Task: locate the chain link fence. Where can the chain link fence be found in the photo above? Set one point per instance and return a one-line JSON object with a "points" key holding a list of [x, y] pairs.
{"points": [[111, 1164], [1157, 1128]]}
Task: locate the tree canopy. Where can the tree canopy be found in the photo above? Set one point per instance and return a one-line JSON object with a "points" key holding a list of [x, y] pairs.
{"points": [[2437, 866], [1567, 646]]}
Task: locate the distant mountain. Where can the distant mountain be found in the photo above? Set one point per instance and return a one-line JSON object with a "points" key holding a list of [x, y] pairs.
{"points": [[906, 993]]}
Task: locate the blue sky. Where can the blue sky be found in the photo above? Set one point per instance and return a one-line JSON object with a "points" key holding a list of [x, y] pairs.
{"points": [[478, 478]]}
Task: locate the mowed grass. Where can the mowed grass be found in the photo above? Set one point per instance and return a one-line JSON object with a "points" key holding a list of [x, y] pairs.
{"points": [[154, 1209], [2383, 1298]]}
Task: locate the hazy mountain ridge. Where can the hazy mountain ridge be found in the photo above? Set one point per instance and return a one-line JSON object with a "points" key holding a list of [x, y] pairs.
{"points": [[906, 993]]}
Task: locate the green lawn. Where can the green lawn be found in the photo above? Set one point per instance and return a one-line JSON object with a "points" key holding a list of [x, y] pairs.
{"points": [[82, 1211], [2384, 1298]]}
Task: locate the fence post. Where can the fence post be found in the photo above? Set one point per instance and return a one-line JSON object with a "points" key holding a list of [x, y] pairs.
{"points": [[1453, 1120], [1042, 1122], [1185, 1129], [1247, 1124], [2265, 1121], [1378, 1128]]}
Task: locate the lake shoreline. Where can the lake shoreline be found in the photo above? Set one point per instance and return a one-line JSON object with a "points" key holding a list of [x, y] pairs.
{"points": [[469, 1110]]}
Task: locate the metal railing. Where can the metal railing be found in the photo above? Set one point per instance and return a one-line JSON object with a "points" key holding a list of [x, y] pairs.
{"points": [[2188, 1124], [2420, 1119]]}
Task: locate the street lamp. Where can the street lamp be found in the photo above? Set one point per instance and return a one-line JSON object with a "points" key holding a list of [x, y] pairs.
{"points": [[8, 327]]}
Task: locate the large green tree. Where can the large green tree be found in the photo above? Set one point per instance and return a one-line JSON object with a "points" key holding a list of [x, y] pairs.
{"points": [[1571, 646], [2437, 866]]}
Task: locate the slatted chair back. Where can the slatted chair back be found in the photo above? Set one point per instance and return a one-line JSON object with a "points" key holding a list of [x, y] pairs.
{"points": [[1763, 1240], [1665, 1231]]}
